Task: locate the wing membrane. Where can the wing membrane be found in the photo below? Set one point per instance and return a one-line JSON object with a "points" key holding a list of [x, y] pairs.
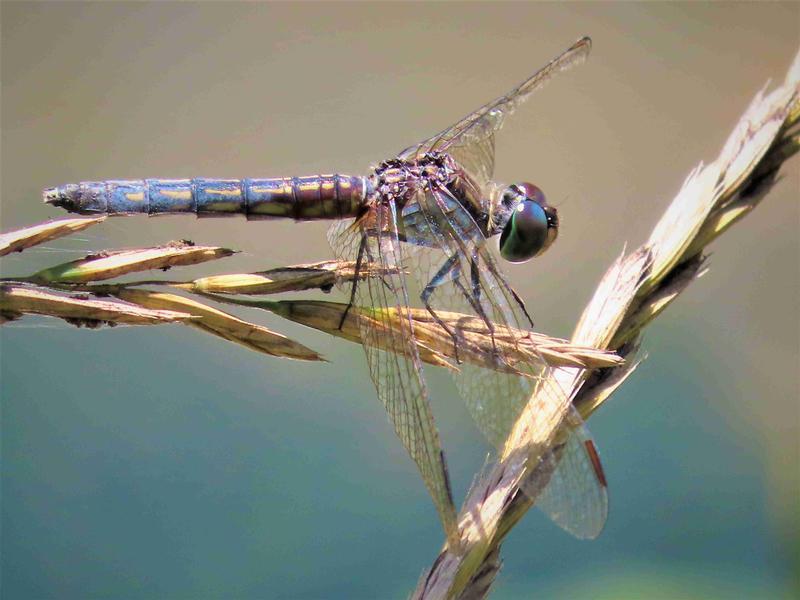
{"points": [[575, 496], [495, 396], [472, 138], [387, 334], [477, 158]]}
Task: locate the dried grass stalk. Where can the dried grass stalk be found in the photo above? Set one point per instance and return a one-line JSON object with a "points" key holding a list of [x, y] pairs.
{"points": [[435, 344], [221, 324], [514, 345], [115, 263], [327, 317], [19, 239], [79, 308], [635, 290], [297, 278]]}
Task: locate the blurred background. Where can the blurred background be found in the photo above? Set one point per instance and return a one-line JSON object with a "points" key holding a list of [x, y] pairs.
{"points": [[162, 463]]}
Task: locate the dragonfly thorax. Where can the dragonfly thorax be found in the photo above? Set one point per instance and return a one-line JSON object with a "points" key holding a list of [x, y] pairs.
{"points": [[400, 179]]}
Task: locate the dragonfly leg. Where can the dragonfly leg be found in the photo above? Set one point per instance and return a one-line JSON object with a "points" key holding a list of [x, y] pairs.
{"points": [[475, 299], [505, 284], [359, 260], [520, 303], [449, 267], [476, 306]]}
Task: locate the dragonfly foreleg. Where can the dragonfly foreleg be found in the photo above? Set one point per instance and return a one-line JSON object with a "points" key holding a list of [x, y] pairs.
{"points": [[450, 268]]}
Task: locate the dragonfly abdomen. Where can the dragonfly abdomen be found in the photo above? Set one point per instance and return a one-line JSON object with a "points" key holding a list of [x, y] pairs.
{"points": [[300, 198]]}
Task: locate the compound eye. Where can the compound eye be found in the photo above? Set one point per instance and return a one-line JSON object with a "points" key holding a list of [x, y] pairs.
{"points": [[531, 192], [526, 233]]}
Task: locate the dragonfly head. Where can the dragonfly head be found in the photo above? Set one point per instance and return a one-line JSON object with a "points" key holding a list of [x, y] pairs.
{"points": [[532, 224]]}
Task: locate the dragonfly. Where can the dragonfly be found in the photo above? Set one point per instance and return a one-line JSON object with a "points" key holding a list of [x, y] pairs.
{"points": [[422, 217]]}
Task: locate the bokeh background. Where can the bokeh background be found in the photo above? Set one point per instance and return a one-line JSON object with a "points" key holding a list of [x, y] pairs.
{"points": [[161, 463]]}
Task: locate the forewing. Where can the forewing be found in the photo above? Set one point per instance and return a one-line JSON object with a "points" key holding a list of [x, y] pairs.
{"points": [[494, 396], [477, 158], [473, 136], [496, 392], [397, 374]]}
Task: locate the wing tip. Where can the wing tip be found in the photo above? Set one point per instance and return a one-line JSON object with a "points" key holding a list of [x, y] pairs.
{"points": [[582, 47]]}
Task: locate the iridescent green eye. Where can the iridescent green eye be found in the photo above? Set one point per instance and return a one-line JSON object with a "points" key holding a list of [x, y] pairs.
{"points": [[532, 227], [525, 233]]}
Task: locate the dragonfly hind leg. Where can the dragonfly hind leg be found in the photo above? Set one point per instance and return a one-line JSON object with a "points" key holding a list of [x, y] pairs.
{"points": [[362, 246], [449, 269], [521, 304], [476, 287], [475, 298]]}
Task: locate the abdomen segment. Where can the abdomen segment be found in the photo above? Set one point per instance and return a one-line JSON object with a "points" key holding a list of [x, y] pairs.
{"points": [[300, 198]]}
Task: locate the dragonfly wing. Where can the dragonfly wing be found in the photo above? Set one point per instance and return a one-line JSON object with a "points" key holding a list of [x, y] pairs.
{"points": [[385, 323], [494, 381], [494, 396], [477, 158], [474, 133], [575, 497]]}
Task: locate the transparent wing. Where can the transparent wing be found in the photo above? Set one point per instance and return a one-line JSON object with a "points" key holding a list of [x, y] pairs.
{"points": [[493, 380], [387, 332], [477, 158], [492, 383], [575, 496], [471, 140]]}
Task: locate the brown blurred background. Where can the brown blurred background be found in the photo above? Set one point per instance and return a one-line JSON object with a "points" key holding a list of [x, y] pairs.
{"points": [[158, 463]]}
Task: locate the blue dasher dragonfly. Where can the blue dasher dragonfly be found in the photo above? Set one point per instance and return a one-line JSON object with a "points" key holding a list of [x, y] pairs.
{"points": [[421, 217]]}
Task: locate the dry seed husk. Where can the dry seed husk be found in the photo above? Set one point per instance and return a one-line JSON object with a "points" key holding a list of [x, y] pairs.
{"points": [[322, 275], [219, 323], [435, 344], [19, 239], [327, 317], [80, 308], [110, 264]]}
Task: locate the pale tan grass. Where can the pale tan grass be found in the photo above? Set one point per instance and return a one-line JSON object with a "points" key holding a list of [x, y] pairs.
{"points": [[297, 278], [221, 324], [18, 240], [79, 308], [435, 344], [110, 264], [433, 341]]}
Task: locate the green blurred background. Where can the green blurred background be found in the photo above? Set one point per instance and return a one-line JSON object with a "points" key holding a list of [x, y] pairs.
{"points": [[161, 463]]}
